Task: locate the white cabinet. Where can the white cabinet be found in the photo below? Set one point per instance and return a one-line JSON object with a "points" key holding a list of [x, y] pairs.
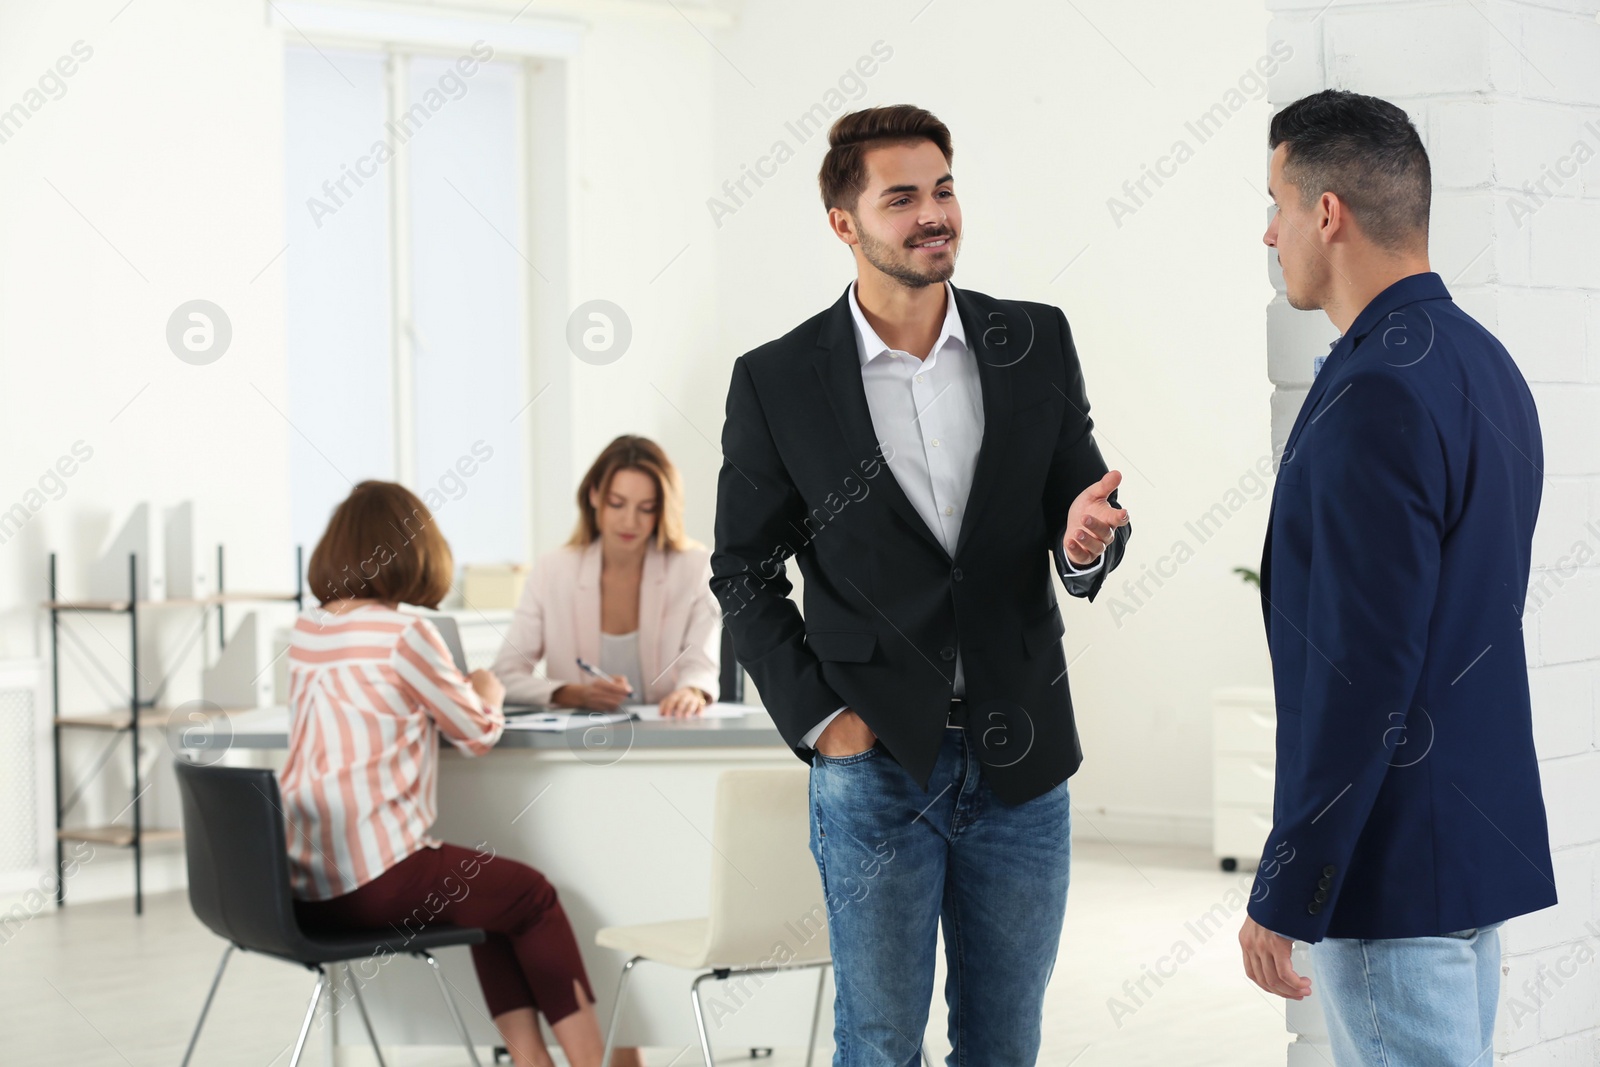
{"points": [[27, 803], [1243, 756]]}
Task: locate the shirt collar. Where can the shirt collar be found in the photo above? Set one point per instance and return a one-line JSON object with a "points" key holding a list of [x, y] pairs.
{"points": [[869, 345]]}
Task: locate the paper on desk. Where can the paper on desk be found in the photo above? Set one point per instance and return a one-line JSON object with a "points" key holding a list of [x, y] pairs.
{"points": [[555, 722], [718, 710]]}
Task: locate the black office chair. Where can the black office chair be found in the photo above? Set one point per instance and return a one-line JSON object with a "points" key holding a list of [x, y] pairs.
{"points": [[234, 839]]}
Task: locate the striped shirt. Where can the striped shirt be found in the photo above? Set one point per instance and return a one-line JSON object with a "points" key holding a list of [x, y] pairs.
{"points": [[370, 690]]}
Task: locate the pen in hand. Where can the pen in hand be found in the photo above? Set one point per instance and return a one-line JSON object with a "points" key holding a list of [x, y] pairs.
{"points": [[607, 692]]}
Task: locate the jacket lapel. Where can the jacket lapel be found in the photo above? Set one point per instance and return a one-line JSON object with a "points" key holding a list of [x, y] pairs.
{"points": [[838, 364], [586, 606], [997, 338], [1319, 386], [1314, 395], [652, 602]]}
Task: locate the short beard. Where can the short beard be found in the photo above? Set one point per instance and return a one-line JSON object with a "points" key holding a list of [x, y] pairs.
{"points": [[881, 254], [1302, 304], [1311, 294]]}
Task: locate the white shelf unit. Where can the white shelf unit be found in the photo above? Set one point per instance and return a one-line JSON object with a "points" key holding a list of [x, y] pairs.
{"points": [[138, 714]]}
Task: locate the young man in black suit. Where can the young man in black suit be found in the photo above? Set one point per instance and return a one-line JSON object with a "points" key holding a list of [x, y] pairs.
{"points": [[926, 683]]}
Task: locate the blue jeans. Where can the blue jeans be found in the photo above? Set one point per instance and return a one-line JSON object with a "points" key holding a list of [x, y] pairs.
{"points": [[1410, 1001], [895, 862]]}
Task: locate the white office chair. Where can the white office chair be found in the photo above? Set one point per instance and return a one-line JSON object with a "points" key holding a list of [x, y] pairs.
{"points": [[765, 891]]}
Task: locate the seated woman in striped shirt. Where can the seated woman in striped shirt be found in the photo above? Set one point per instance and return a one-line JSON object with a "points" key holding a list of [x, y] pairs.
{"points": [[371, 688]]}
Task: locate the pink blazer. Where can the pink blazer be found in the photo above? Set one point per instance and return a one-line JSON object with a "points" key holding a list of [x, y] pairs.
{"points": [[558, 619]]}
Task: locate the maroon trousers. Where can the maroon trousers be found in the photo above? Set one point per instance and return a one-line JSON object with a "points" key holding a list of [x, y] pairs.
{"points": [[530, 958]]}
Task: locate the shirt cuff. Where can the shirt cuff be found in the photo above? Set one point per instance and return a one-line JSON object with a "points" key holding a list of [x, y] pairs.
{"points": [[1073, 568], [810, 739]]}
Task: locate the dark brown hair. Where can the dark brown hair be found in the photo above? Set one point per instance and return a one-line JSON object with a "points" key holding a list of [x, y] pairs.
{"points": [[1366, 152], [844, 170], [382, 543], [641, 454]]}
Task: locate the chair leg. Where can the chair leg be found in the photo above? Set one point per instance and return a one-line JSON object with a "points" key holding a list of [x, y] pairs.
{"points": [[311, 1013], [450, 1002], [616, 1011], [206, 1008], [700, 1019], [816, 1014], [361, 1005]]}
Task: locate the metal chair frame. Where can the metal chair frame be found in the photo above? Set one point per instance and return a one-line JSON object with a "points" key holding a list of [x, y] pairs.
{"points": [[324, 985], [722, 974]]}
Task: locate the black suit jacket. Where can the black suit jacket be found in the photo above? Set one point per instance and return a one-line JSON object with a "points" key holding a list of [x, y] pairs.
{"points": [[885, 604]]}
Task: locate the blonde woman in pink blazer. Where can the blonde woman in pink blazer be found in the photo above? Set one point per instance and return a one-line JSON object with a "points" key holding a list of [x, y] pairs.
{"points": [[629, 594]]}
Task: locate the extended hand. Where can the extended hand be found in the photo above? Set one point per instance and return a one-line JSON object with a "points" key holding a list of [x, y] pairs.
{"points": [[1267, 961], [1092, 521]]}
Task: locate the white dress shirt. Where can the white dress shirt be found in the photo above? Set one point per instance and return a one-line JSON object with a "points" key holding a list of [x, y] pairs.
{"points": [[930, 414]]}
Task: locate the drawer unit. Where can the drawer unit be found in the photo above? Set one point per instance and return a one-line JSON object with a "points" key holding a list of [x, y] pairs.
{"points": [[1240, 830], [1248, 730], [1244, 726], [1243, 780]]}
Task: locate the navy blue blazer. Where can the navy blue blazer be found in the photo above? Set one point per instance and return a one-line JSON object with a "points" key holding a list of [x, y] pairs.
{"points": [[1407, 801]]}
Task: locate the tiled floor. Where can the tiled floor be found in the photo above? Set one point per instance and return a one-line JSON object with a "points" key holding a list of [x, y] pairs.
{"points": [[1148, 973]]}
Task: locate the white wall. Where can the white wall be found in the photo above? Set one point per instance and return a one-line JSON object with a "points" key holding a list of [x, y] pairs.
{"points": [[643, 119], [1050, 115], [168, 140], [156, 178], [152, 180]]}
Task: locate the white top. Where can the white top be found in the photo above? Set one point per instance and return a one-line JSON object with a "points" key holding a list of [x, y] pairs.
{"points": [[930, 414], [619, 654]]}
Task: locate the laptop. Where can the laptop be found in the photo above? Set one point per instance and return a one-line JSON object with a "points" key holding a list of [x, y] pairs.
{"points": [[446, 625], [450, 630]]}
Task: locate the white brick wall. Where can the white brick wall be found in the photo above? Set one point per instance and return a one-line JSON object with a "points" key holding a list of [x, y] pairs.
{"points": [[1556, 691], [1539, 325], [1294, 340], [1507, 98]]}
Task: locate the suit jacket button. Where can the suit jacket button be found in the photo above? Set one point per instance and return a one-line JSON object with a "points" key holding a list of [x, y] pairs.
{"points": [[1313, 907], [1323, 883], [947, 653], [1327, 872], [1320, 896], [956, 574]]}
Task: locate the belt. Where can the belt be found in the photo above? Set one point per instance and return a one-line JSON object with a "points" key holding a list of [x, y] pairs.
{"points": [[958, 713]]}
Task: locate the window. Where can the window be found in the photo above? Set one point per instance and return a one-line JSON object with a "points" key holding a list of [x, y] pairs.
{"points": [[407, 287]]}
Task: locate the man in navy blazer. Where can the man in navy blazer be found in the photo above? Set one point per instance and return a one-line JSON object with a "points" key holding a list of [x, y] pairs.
{"points": [[1408, 821]]}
